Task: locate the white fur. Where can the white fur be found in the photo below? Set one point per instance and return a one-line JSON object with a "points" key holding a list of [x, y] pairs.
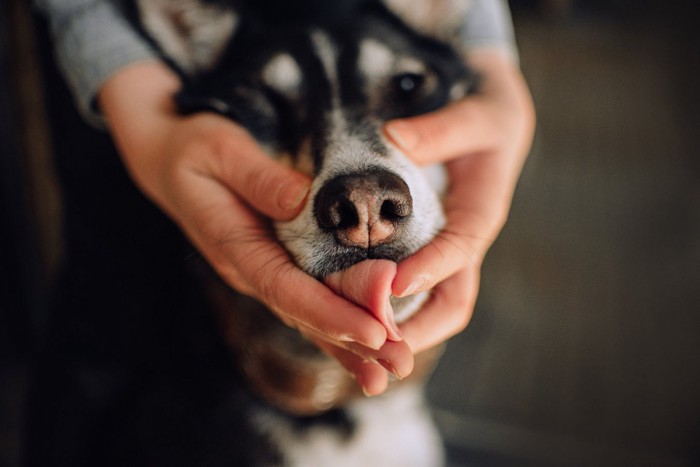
{"points": [[375, 59], [377, 62], [284, 75], [394, 430], [193, 34]]}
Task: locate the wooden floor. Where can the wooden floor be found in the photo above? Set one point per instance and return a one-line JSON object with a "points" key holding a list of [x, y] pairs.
{"points": [[585, 346]]}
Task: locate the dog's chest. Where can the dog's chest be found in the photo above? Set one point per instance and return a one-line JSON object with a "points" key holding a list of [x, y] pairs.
{"points": [[388, 431]]}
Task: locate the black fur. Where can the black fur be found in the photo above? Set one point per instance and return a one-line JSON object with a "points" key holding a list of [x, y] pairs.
{"points": [[270, 27]]}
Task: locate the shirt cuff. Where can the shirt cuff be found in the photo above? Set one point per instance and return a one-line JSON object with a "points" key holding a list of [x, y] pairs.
{"points": [[488, 25]]}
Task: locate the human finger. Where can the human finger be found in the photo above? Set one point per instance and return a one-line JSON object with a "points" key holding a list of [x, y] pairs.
{"points": [[460, 128], [369, 369], [447, 312], [267, 185], [500, 116], [476, 207], [240, 247], [395, 357], [370, 376]]}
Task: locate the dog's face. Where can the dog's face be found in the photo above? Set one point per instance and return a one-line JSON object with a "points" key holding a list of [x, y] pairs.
{"points": [[314, 86]]}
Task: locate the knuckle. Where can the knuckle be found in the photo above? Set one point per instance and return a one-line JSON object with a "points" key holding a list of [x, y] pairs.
{"points": [[450, 254], [465, 249], [218, 239], [269, 278]]}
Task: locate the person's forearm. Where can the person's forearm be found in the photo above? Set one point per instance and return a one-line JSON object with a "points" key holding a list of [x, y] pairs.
{"points": [[502, 86], [92, 40], [502, 79], [158, 145], [138, 106]]}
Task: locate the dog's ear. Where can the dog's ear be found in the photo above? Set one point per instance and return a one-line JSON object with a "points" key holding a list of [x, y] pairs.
{"points": [[192, 33], [440, 19]]}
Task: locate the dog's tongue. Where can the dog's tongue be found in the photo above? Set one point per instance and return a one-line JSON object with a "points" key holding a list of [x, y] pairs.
{"points": [[368, 284]]}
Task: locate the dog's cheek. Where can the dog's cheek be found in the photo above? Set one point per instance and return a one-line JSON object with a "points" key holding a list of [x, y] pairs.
{"points": [[436, 176], [304, 161], [295, 236], [427, 186]]}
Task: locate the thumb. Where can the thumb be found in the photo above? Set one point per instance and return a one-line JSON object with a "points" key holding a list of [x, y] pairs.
{"points": [[459, 129], [267, 185]]}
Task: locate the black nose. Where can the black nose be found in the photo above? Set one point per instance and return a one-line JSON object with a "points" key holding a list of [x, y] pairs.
{"points": [[363, 209]]}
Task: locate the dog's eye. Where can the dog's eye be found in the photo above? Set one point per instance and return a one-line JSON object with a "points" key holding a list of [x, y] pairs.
{"points": [[408, 83]]}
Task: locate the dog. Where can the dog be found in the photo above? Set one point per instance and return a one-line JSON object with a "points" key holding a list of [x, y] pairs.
{"points": [[313, 82]]}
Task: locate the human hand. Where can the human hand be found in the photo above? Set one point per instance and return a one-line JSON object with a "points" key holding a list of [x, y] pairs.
{"points": [[212, 179], [484, 140]]}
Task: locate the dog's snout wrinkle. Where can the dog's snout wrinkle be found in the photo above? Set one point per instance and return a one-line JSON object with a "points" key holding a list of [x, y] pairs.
{"points": [[364, 210]]}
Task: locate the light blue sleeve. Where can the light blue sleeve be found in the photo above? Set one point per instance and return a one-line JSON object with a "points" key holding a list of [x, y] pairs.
{"points": [[92, 40], [489, 25]]}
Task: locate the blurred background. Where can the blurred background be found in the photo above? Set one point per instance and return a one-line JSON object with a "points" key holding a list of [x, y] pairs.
{"points": [[585, 344]]}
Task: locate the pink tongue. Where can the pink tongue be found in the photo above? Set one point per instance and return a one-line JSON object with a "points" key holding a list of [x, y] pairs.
{"points": [[368, 284]]}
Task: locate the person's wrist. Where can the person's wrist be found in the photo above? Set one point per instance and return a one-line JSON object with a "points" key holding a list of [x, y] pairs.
{"points": [[139, 110], [502, 79]]}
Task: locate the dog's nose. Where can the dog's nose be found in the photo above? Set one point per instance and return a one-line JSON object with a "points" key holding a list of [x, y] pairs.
{"points": [[363, 209]]}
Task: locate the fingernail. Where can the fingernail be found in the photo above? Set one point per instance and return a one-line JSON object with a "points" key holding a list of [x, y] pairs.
{"points": [[415, 287], [365, 391], [394, 327], [346, 338], [375, 344], [402, 134], [292, 195], [389, 367], [370, 359], [351, 340]]}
